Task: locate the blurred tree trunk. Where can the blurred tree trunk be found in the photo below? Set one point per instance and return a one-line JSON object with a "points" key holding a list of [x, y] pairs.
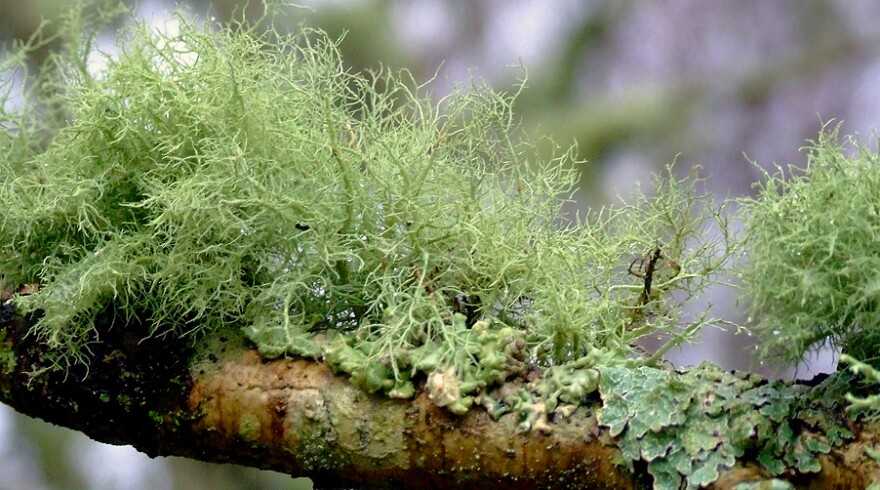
{"points": [[223, 403]]}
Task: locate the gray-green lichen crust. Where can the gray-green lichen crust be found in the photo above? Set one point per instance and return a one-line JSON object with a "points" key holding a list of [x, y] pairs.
{"points": [[689, 425], [8, 359]]}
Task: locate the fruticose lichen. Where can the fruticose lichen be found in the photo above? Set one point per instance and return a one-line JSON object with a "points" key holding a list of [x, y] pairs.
{"points": [[811, 275], [223, 176]]}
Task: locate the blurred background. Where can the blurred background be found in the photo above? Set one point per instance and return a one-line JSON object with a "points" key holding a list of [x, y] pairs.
{"points": [[635, 84]]}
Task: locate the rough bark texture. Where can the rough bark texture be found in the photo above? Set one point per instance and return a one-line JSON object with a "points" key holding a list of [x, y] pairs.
{"points": [[223, 403]]}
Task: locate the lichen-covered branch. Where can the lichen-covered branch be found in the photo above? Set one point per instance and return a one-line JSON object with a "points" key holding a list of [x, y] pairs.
{"points": [[225, 404], [222, 402], [238, 250]]}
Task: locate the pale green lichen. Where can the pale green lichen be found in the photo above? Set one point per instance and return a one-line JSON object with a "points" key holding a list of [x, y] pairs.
{"points": [[249, 427], [771, 484], [379, 434], [8, 358], [689, 425], [810, 275], [222, 176]]}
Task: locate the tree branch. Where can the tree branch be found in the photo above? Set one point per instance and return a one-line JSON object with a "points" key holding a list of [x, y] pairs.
{"points": [[221, 402]]}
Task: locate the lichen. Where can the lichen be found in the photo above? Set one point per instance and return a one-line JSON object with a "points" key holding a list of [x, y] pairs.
{"points": [[249, 427], [771, 484], [8, 359], [378, 434], [689, 425], [226, 176], [810, 276]]}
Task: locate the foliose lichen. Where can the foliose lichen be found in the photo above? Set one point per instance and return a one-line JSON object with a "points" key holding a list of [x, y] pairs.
{"points": [[689, 425]]}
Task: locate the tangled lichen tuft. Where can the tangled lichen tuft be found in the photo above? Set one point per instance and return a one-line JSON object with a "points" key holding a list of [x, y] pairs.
{"points": [[224, 176], [810, 278], [811, 272]]}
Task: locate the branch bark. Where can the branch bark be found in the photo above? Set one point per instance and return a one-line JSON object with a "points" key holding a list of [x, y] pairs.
{"points": [[222, 403]]}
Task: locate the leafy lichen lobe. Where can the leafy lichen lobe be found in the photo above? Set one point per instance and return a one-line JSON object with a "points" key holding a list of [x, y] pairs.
{"points": [[690, 425]]}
